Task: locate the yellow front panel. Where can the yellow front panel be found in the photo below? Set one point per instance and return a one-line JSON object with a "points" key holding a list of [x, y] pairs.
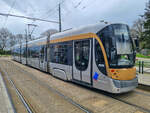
{"points": [[123, 74]]}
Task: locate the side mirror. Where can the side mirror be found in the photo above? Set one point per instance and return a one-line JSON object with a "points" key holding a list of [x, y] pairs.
{"points": [[136, 43], [112, 49]]}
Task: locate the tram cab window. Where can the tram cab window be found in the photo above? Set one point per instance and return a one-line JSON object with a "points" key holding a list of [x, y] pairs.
{"points": [[99, 58], [118, 45]]}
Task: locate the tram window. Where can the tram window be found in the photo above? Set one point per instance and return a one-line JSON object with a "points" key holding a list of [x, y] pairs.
{"points": [[82, 54], [35, 51], [99, 58], [29, 52], [85, 54], [42, 53], [70, 53], [32, 56], [24, 52], [58, 53], [99, 54], [45, 53], [51, 53], [18, 52], [78, 54]]}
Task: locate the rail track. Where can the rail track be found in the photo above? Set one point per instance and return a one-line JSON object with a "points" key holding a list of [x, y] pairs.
{"points": [[128, 95], [142, 93], [127, 99], [130, 98], [118, 98], [144, 87], [26, 103], [131, 103]]}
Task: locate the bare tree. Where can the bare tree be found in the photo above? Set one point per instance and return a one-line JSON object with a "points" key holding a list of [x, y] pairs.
{"points": [[13, 40], [20, 38], [4, 38], [49, 32], [138, 28]]}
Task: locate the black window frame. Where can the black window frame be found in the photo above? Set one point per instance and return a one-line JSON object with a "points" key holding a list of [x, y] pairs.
{"points": [[79, 63], [101, 66], [61, 53], [107, 35]]}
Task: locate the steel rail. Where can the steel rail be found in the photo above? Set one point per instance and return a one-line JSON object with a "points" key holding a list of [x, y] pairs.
{"points": [[53, 90], [76, 104], [145, 94], [18, 92], [126, 102]]}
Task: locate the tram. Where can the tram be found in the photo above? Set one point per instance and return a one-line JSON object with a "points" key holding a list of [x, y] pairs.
{"points": [[100, 56]]}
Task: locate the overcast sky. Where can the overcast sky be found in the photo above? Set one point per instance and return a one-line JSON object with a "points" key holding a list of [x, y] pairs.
{"points": [[74, 13]]}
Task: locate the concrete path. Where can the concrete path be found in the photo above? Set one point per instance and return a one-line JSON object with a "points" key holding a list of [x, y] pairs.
{"points": [[144, 79], [143, 59], [5, 103]]}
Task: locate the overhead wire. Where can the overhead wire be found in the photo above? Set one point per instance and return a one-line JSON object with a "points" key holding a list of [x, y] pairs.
{"points": [[75, 6], [54, 9], [91, 3], [78, 4], [50, 10], [9, 12]]}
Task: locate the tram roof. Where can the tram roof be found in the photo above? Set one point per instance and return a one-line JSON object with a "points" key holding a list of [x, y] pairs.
{"points": [[93, 28], [37, 40]]}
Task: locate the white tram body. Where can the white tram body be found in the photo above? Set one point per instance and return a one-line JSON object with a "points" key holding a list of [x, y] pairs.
{"points": [[99, 56]]}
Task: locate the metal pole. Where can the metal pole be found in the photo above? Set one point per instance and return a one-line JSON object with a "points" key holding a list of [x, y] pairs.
{"points": [[26, 46], [48, 53], [30, 32], [59, 18], [20, 50], [139, 66], [142, 66]]}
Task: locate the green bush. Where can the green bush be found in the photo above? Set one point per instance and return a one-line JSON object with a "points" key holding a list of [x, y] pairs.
{"points": [[4, 52], [148, 52], [141, 56]]}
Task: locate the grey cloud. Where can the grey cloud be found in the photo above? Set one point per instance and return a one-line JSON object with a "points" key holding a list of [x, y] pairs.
{"points": [[73, 15]]}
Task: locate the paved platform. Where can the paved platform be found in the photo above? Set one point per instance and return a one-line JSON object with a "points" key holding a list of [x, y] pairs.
{"points": [[144, 79], [5, 103]]}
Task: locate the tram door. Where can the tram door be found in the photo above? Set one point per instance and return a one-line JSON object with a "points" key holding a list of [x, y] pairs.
{"points": [[82, 61], [42, 57]]}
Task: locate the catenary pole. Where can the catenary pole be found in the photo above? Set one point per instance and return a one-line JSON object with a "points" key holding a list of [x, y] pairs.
{"points": [[59, 18]]}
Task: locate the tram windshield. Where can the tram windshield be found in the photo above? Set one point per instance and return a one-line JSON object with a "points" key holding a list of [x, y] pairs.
{"points": [[118, 45]]}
